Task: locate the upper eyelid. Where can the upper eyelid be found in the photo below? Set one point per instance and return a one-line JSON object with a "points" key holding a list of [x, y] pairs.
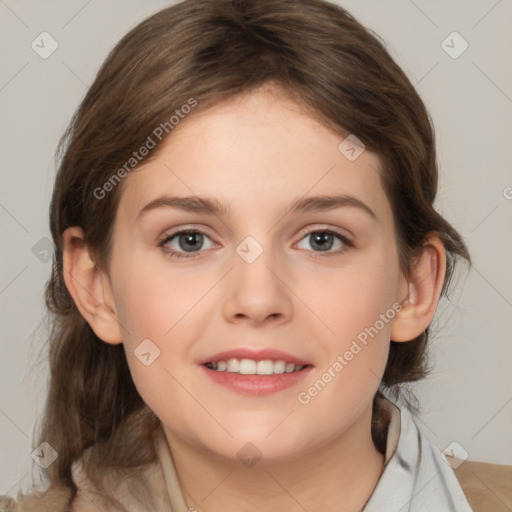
{"points": [[338, 231], [315, 227]]}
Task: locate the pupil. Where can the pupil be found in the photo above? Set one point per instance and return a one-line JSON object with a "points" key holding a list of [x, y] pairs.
{"points": [[322, 241], [191, 239]]}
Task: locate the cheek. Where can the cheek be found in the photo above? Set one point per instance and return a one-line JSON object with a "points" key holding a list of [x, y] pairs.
{"points": [[353, 297], [356, 304], [151, 301], [156, 320], [167, 309]]}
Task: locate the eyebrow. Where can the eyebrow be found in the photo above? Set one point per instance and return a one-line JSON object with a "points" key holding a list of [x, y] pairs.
{"points": [[196, 204]]}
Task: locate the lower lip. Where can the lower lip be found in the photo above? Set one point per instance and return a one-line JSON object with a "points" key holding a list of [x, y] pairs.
{"points": [[257, 385]]}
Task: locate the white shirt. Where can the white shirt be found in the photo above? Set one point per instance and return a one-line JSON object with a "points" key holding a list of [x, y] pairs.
{"points": [[416, 478]]}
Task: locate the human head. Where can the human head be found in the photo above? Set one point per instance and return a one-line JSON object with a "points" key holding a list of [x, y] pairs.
{"points": [[334, 68]]}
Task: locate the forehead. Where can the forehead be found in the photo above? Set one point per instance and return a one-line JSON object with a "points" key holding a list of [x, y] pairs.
{"points": [[253, 151]]}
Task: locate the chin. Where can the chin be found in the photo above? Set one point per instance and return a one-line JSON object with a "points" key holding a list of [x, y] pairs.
{"points": [[257, 444]]}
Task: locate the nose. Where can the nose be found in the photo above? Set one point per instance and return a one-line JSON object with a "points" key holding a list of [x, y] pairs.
{"points": [[258, 292]]}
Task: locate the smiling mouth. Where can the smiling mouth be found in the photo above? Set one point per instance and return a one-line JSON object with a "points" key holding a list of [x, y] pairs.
{"points": [[253, 367]]}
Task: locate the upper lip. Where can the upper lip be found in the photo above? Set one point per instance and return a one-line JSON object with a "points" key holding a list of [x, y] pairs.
{"points": [[257, 355]]}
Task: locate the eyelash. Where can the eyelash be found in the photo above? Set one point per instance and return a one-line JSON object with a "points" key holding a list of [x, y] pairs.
{"points": [[315, 254]]}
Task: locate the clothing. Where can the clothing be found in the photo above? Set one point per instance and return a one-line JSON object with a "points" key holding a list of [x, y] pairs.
{"points": [[416, 478]]}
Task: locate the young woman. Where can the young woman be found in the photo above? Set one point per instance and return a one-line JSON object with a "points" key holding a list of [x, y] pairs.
{"points": [[247, 263]]}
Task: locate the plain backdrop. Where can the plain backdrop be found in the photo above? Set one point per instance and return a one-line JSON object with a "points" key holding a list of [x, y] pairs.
{"points": [[468, 398]]}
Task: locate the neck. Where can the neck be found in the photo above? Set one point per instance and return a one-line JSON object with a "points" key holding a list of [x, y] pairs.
{"points": [[340, 475]]}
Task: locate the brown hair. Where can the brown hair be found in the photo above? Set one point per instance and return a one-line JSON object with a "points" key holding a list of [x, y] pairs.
{"points": [[327, 62]]}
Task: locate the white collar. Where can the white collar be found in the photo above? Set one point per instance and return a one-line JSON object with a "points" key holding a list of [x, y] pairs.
{"points": [[416, 478]]}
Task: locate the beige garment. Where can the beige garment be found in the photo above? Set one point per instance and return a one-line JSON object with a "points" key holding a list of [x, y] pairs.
{"points": [[160, 477], [174, 493], [488, 487]]}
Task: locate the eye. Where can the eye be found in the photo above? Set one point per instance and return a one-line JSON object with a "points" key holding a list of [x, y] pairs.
{"points": [[324, 240], [185, 243]]}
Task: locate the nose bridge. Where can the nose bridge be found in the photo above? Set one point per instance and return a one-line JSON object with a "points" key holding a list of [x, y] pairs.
{"points": [[257, 291]]}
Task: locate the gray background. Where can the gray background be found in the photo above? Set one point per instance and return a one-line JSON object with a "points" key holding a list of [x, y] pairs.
{"points": [[468, 398]]}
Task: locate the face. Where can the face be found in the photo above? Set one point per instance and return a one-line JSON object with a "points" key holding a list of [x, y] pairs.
{"points": [[265, 271]]}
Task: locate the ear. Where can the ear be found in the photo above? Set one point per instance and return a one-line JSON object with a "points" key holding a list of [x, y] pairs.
{"points": [[423, 288], [90, 287]]}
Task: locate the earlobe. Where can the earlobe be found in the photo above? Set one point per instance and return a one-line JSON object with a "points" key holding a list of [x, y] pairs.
{"points": [[425, 284], [90, 287]]}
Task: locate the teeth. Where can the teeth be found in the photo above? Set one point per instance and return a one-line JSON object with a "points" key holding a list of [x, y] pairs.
{"points": [[252, 367], [247, 367], [289, 367], [233, 366], [279, 366]]}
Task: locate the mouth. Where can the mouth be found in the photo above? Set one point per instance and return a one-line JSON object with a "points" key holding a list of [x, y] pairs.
{"points": [[258, 373]]}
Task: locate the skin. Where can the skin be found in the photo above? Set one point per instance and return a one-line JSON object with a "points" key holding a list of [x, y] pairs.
{"points": [[257, 153]]}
